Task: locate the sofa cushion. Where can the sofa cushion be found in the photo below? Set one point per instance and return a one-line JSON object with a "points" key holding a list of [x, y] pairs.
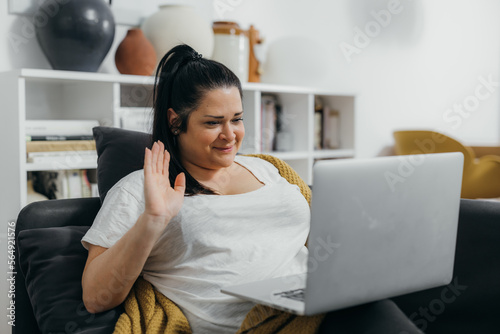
{"points": [[52, 261], [120, 152]]}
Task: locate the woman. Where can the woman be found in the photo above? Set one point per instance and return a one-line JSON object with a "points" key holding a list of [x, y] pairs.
{"points": [[198, 217]]}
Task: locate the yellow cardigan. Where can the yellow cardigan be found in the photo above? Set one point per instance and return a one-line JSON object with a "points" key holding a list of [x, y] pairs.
{"points": [[148, 311]]}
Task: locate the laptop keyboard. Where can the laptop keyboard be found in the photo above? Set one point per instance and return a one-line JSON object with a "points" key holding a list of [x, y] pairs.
{"points": [[297, 294]]}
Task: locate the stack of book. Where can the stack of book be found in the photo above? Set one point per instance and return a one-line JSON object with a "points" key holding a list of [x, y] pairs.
{"points": [[269, 117], [65, 143], [326, 126], [61, 151]]}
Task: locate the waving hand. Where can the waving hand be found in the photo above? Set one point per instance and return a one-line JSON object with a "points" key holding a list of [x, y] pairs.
{"points": [[162, 202]]}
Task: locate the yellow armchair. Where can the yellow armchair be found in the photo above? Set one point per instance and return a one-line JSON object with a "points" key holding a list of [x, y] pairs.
{"points": [[481, 176]]}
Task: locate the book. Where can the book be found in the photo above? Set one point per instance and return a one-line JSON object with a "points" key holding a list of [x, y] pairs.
{"points": [[318, 122], [40, 128], [85, 185], [70, 158], [318, 129], [326, 126], [58, 137], [331, 128], [54, 146], [284, 136], [92, 153], [74, 183], [268, 120]]}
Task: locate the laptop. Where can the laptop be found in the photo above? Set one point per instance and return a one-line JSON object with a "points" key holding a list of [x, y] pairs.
{"points": [[380, 228]]}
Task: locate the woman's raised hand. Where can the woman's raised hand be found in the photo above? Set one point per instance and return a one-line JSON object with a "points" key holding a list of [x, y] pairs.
{"points": [[162, 202]]}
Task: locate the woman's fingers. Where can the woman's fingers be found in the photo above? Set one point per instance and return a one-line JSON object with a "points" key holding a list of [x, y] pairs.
{"points": [[154, 158], [180, 183], [159, 162], [166, 163], [147, 160]]}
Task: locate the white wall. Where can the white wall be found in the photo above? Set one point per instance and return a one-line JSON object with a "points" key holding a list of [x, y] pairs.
{"points": [[428, 58]]}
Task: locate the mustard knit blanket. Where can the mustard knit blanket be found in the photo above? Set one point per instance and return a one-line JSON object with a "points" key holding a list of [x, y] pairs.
{"points": [[147, 311]]}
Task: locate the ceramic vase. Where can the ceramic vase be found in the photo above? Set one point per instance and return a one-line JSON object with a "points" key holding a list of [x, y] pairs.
{"points": [[135, 54], [75, 35], [172, 25], [231, 47]]}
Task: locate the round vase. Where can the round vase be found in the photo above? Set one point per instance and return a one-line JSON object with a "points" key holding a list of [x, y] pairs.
{"points": [[231, 47], [135, 54], [75, 35], [172, 25]]}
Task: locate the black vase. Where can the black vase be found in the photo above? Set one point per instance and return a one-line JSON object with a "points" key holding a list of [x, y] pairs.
{"points": [[75, 35]]}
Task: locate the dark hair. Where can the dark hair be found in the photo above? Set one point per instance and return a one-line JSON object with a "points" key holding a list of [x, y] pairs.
{"points": [[183, 77]]}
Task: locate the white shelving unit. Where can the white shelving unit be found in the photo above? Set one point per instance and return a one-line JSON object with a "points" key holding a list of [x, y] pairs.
{"points": [[112, 99]]}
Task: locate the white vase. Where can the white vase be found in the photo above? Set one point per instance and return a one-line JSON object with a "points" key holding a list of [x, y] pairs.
{"points": [[172, 25]]}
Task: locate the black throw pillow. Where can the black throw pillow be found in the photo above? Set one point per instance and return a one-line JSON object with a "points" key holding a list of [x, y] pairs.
{"points": [[52, 260], [119, 152]]}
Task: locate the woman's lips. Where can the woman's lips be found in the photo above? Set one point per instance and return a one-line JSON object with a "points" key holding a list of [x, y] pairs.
{"points": [[224, 149]]}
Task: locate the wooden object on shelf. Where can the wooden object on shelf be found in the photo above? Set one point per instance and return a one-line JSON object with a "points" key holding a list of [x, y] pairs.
{"points": [[254, 66]]}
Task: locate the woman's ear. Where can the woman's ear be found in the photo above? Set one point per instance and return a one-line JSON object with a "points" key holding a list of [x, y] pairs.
{"points": [[172, 117]]}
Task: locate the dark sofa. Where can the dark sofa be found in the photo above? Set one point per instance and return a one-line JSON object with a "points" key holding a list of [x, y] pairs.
{"points": [[471, 302], [50, 261]]}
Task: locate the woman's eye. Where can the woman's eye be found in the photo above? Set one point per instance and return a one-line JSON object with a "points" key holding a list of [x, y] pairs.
{"points": [[212, 122], [236, 120]]}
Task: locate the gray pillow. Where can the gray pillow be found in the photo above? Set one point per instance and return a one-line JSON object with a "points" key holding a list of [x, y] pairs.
{"points": [[119, 152]]}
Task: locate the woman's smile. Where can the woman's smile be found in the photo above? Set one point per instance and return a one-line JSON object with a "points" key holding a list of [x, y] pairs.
{"points": [[227, 149]]}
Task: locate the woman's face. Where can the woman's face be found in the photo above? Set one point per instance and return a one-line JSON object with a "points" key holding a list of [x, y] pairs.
{"points": [[214, 131]]}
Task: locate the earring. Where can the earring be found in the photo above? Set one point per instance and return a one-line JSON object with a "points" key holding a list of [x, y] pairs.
{"points": [[176, 132]]}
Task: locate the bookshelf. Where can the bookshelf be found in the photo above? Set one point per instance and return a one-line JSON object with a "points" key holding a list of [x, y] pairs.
{"points": [[126, 100]]}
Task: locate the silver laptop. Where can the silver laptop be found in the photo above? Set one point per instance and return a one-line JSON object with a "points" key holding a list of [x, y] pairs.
{"points": [[380, 227]]}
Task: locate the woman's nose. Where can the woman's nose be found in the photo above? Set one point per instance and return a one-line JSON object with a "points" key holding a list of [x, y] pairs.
{"points": [[227, 133]]}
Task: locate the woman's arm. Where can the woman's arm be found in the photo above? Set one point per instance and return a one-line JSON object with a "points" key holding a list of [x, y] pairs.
{"points": [[110, 273]]}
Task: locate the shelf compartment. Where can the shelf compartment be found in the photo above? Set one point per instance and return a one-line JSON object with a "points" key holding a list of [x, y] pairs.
{"points": [[294, 118], [345, 107], [137, 119], [57, 100], [136, 95]]}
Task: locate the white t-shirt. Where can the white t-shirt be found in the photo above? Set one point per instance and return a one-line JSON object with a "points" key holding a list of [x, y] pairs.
{"points": [[215, 241]]}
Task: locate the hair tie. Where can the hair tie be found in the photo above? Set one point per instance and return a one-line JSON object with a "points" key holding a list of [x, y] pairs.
{"points": [[197, 56]]}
